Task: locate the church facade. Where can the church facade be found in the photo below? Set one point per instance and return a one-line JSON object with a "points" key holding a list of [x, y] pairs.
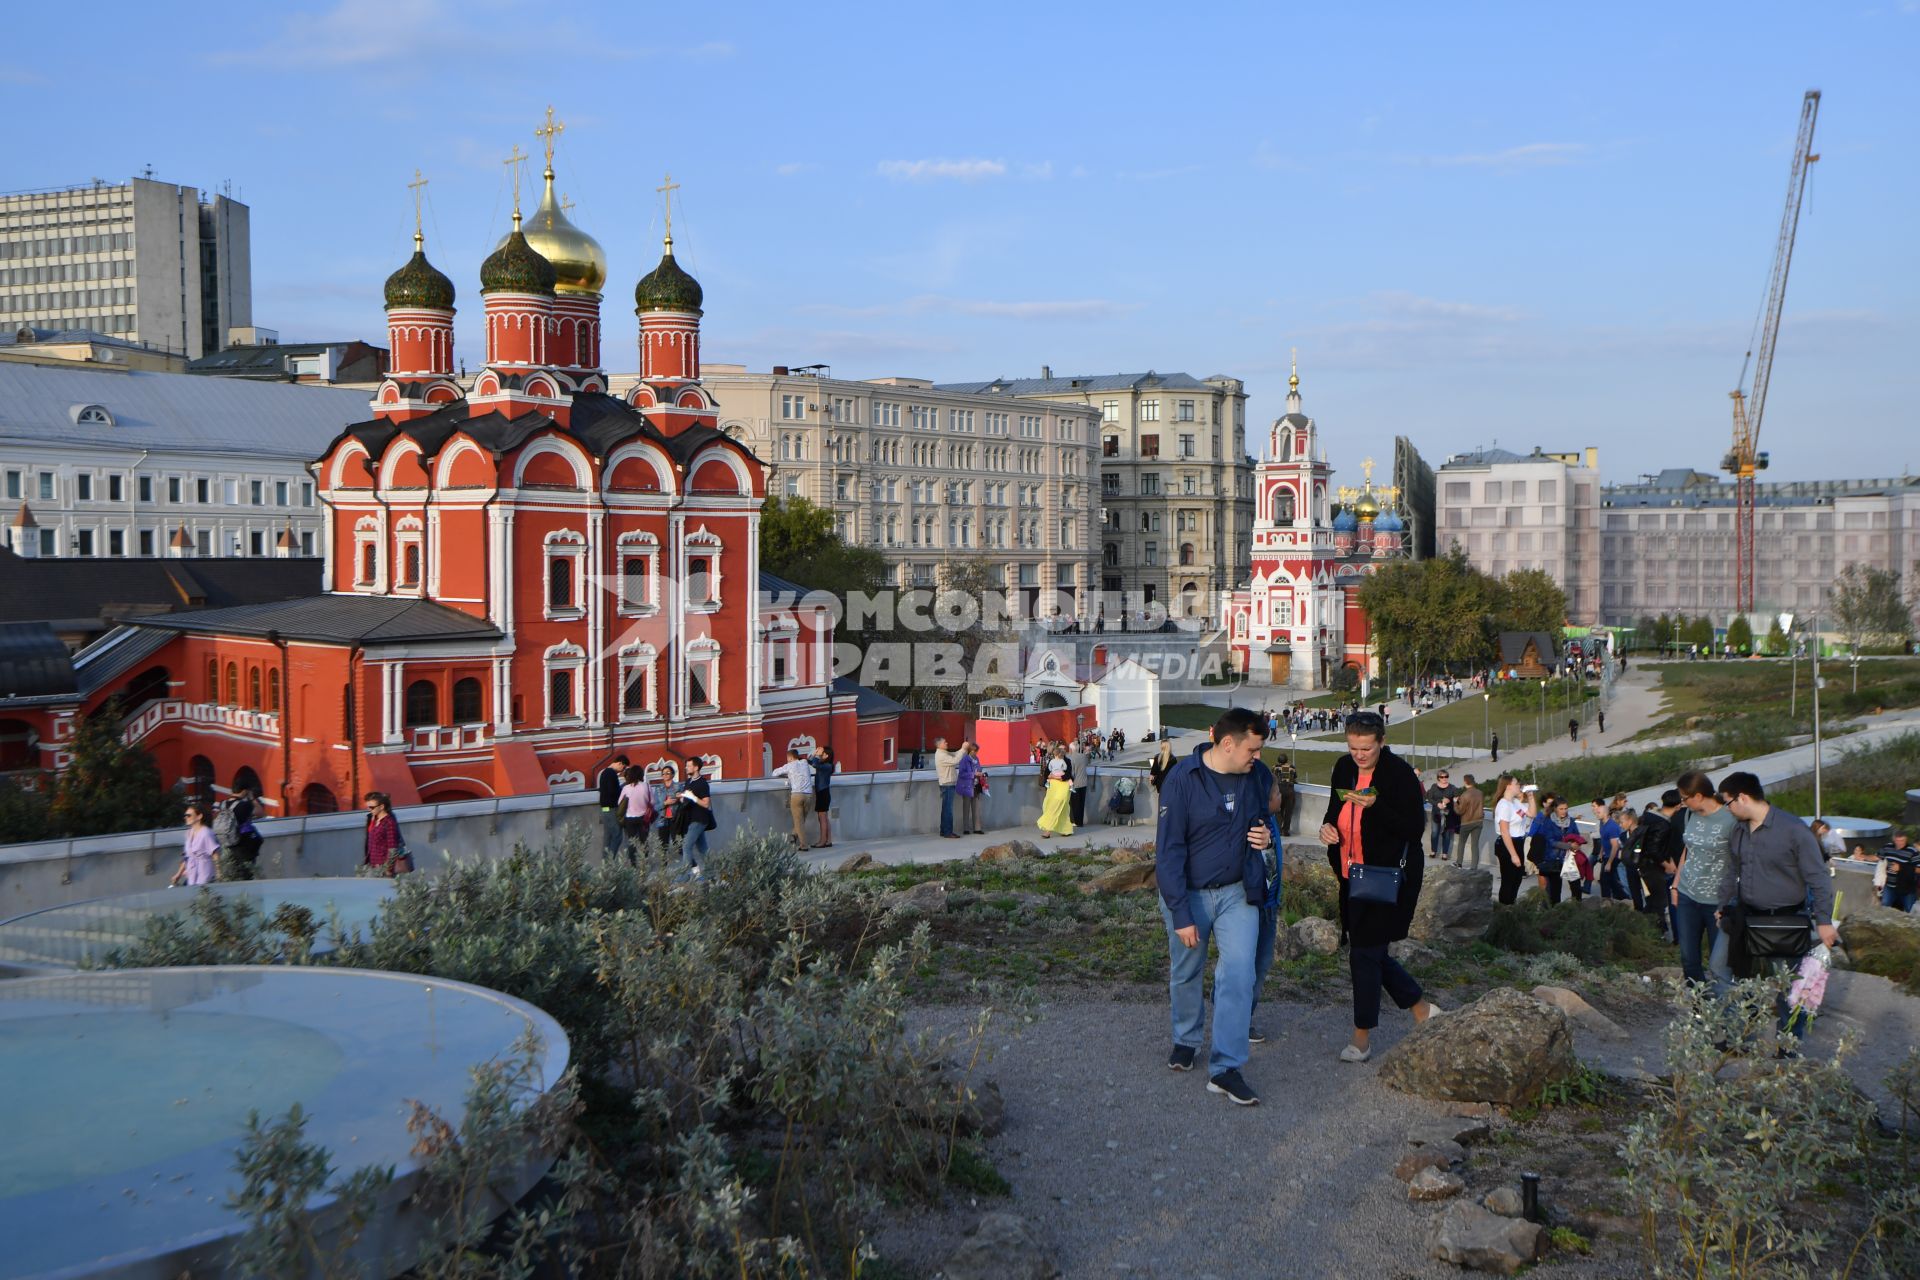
{"points": [[523, 576], [1298, 619]]}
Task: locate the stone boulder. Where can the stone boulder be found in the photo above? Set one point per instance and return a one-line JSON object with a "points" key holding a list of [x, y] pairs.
{"points": [[856, 862], [1506, 1201], [1458, 1130], [1130, 853], [1002, 1247], [1456, 904], [1315, 936], [1505, 1047], [1470, 1236], [1583, 1015], [1435, 1184], [1010, 850], [1128, 877], [928, 898], [1420, 1159], [1880, 940]]}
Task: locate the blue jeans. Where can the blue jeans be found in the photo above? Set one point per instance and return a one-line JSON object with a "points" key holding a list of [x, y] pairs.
{"points": [[1442, 838], [1263, 950], [611, 836], [1693, 920], [1234, 924], [693, 845], [1898, 901], [1373, 969], [946, 809]]}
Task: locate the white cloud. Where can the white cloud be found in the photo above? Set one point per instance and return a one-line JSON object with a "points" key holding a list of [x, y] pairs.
{"points": [[930, 170], [1531, 155]]}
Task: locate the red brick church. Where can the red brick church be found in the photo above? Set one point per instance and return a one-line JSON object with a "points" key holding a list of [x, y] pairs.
{"points": [[520, 578]]}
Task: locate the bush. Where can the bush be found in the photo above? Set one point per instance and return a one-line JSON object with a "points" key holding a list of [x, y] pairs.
{"points": [[1601, 775], [754, 1020], [1594, 934], [1865, 782]]}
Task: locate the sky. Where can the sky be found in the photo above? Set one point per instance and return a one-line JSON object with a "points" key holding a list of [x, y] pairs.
{"points": [[1479, 224]]}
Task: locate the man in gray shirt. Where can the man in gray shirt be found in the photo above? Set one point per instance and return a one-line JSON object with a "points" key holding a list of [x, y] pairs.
{"points": [[1777, 868]]}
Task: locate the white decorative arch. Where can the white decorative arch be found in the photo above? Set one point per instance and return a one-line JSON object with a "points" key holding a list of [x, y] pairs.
{"points": [[337, 473], [408, 524], [582, 469], [733, 461], [651, 453], [367, 524], [484, 786], [639, 661], [565, 651], [566, 538], [391, 459], [443, 465]]}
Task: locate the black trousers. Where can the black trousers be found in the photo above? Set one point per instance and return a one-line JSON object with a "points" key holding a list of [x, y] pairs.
{"points": [[1373, 969], [1289, 802], [1511, 877], [1077, 807]]}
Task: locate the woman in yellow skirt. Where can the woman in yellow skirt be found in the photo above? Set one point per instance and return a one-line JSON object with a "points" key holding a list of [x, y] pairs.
{"points": [[1054, 820]]}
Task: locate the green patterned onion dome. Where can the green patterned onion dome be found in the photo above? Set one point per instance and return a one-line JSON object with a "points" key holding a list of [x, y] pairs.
{"points": [[419, 284], [667, 288], [515, 267]]}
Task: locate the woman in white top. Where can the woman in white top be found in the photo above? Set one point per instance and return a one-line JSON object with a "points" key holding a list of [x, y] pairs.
{"points": [[1511, 822]]}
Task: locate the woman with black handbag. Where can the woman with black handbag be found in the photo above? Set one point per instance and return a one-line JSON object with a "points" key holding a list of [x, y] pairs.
{"points": [[1375, 822]]}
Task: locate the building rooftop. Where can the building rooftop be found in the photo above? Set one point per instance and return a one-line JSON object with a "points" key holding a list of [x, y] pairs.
{"points": [[32, 335], [85, 589], [274, 360], [33, 663], [334, 619], [48, 405], [1148, 381]]}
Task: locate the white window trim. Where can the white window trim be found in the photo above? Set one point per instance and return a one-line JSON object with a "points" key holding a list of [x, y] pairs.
{"points": [[642, 658], [366, 533], [638, 546], [704, 650], [407, 532], [571, 545], [701, 543], [783, 633], [572, 660]]}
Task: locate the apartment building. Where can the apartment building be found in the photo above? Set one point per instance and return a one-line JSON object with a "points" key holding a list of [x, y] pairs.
{"points": [[1176, 483], [129, 464], [146, 261], [928, 474], [1526, 511], [1666, 541]]}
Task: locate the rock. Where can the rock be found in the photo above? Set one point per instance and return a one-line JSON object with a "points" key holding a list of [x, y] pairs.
{"points": [[1407, 951], [1469, 1236], [1129, 853], [1505, 1047], [1456, 904], [1315, 936], [928, 898], [1505, 1201], [1002, 1247], [962, 898], [1469, 1111], [1435, 1184], [1010, 850], [1666, 973], [1127, 878], [856, 862], [1880, 940], [985, 1114], [1433, 1133], [1427, 1158], [1584, 1015]]}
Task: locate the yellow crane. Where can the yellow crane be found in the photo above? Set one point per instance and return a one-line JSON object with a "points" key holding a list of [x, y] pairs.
{"points": [[1744, 460]]}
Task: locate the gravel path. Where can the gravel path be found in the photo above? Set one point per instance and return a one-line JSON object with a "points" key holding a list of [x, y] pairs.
{"points": [[1127, 1169]]}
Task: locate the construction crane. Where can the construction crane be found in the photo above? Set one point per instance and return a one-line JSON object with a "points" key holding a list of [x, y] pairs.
{"points": [[1744, 460]]}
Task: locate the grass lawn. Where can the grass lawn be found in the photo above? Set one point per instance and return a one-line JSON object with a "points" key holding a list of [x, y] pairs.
{"points": [[1868, 783], [1764, 688]]}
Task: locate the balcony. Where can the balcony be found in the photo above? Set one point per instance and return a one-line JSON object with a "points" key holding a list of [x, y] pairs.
{"points": [[432, 739]]}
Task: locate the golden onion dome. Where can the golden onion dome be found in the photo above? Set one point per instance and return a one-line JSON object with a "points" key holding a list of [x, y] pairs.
{"points": [[1366, 507], [579, 263]]}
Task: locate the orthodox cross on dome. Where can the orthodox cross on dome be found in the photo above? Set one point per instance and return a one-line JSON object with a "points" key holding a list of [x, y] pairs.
{"points": [[418, 186], [1366, 469], [549, 131], [566, 202], [666, 189], [1293, 379], [513, 162]]}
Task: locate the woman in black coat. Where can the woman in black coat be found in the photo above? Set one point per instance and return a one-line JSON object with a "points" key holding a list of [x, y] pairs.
{"points": [[1390, 825]]}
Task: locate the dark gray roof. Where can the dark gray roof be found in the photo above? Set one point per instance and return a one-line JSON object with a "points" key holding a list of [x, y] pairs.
{"points": [[1483, 458], [598, 421], [1148, 381], [33, 662], [84, 588], [776, 586], [10, 336], [169, 411], [1513, 646], [115, 654], [335, 619], [869, 704]]}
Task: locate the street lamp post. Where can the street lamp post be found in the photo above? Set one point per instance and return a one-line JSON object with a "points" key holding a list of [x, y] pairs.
{"points": [[1541, 733], [1486, 707]]}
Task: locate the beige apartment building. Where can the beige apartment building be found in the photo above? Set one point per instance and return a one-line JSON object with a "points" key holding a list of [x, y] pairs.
{"points": [[1527, 511], [929, 475], [1175, 490], [144, 261]]}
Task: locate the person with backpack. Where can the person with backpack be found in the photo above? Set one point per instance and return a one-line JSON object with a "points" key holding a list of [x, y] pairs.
{"points": [[1286, 797], [226, 833]]}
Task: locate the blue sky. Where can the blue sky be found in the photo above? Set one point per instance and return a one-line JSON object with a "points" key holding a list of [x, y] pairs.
{"points": [[1523, 224]]}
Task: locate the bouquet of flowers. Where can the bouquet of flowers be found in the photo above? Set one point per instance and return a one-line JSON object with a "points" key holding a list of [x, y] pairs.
{"points": [[1810, 987]]}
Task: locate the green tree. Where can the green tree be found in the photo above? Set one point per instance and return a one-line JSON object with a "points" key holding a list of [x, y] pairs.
{"points": [[1776, 641], [1699, 631], [1868, 608], [1646, 633], [1530, 600], [23, 812], [1740, 634], [798, 543], [1443, 607], [107, 785]]}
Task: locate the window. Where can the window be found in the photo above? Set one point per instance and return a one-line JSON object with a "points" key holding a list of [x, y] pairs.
{"points": [[46, 486], [369, 562], [116, 488], [213, 680], [256, 493], [409, 562], [1183, 411], [703, 676], [273, 691], [1110, 446], [1493, 491], [306, 493], [703, 572], [566, 572], [886, 751], [1186, 446], [1149, 411], [792, 407], [1549, 491], [639, 562], [203, 491], [559, 695], [637, 687], [306, 543], [559, 583], [231, 489], [467, 708], [48, 545], [257, 543], [144, 487], [1149, 484], [422, 705], [233, 684], [1110, 411], [13, 484], [279, 493], [1150, 553], [116, 542], [173, 488], [146, 542], [253, 688], [1517, 491], [83, 542], [1149, 446]]}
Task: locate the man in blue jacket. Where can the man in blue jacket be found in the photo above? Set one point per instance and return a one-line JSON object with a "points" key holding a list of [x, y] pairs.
{"points": [[1211, 869]]}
